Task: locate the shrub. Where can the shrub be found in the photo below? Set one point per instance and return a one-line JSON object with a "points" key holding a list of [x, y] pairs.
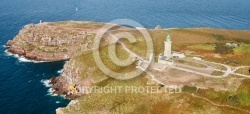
{"points": [[189, 89], [223, 49]]}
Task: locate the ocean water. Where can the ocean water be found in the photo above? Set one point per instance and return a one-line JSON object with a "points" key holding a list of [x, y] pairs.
{"points": [[23, 86]]}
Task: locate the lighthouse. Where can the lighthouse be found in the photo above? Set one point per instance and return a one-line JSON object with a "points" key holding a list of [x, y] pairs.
{"points": [[167, 48], [167, 56]]}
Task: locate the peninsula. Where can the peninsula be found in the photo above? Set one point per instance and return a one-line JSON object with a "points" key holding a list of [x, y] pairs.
{"points": [[209, 66]]}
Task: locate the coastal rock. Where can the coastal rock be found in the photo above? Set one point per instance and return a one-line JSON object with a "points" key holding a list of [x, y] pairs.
{"points": [[9, 43], [158, 27], [70, 83]]}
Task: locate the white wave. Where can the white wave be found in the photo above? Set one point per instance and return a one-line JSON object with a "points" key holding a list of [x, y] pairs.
{"points": [[50, 92], [8, 53], [46, 83], [5, 46], [21, 58], [60, 71]]}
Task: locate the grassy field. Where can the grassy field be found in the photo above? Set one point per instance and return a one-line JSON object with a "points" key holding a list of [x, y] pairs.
{"points": [[243, 49]]}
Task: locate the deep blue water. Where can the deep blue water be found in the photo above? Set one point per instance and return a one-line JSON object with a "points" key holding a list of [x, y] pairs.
{"points": [[21, 90]]}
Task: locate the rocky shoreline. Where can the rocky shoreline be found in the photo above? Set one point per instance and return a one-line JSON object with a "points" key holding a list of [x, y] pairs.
{"points": [[57, 41], [52, 42], [59, 87]]}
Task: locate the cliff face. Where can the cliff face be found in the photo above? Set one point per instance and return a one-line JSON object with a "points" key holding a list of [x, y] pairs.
{"points": [[51, 41], [71, 82]]}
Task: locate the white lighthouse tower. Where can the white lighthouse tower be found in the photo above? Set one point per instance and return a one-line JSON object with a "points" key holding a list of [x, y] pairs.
{"points": [[167, 56], [167, 49]]}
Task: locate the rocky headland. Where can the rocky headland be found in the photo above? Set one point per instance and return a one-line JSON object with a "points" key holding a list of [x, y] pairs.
{"points": [[57, 41], [53, 41]]}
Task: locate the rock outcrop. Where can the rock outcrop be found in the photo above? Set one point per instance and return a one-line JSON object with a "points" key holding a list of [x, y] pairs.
{"points": [[158, 27]]}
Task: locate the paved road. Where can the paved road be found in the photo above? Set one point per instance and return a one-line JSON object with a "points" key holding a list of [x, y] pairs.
{"points": [[240, 67], [229, 70]]}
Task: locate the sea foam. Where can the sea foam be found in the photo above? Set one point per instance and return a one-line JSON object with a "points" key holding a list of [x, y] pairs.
{"points": [[5, 46], [60, 71], [50, 92], [57, 102], [21, 58], [46, 83]]}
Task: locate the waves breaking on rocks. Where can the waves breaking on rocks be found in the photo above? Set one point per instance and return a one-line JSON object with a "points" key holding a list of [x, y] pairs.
{"points": [[46, 83], [60, 71], [21, 58]]}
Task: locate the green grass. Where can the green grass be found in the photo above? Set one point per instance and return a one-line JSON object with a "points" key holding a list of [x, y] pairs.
{"points": [[244, 98], [244, 93], [242, 49]]}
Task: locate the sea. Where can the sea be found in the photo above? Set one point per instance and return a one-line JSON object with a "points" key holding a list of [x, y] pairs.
{"points": [[24, 84]]}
